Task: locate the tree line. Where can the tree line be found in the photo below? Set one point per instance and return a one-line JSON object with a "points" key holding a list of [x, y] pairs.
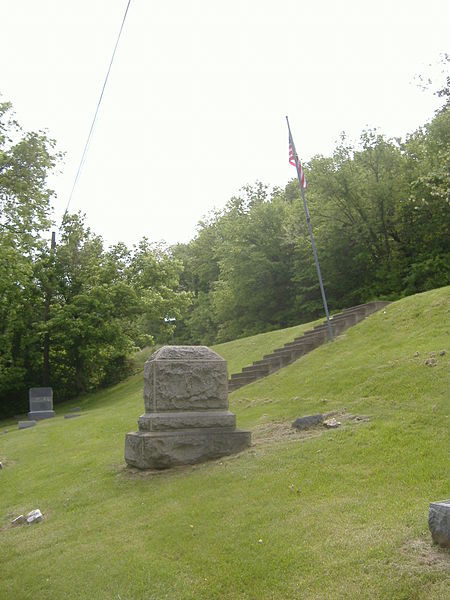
{"points": [[72, 313]]}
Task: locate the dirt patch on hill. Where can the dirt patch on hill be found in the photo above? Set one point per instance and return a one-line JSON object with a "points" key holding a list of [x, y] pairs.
{"points": [[423, 554], [282, 431]]}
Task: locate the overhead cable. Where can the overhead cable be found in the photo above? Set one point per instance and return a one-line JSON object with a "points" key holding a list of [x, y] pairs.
{"points": [[83, 156]]}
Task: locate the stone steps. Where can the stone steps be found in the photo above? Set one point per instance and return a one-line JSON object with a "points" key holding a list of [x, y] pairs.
{"points": [[311, 339]]}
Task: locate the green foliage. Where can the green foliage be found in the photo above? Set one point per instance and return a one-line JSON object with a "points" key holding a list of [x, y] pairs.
{"points": [[253, 293], [25, 160], [105, 304]]}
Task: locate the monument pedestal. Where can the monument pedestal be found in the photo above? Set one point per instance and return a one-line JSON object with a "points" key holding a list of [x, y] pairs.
{"points": [[187, 419], [160, 450], [41, 414]]}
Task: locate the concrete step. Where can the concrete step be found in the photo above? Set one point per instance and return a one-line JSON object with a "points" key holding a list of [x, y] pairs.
{"points": [[263, 368], [240, 376], [301, 345]]}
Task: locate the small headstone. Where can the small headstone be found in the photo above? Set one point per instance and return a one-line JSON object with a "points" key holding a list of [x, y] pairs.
{"points": [[306, 422], [26, 424], [34, 516], [442, 353], [439, 523], [72, 415], [41, 403], [416, 354], [1, 466], [430, 362], [18, 520], [186, 418]]}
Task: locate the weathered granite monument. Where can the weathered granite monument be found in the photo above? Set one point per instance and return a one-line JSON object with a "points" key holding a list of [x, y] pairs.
{"points": [[186, 417], [41, 403], [439, 522]]}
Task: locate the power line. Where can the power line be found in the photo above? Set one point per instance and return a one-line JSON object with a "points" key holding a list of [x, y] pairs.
{"points": [[83, 156]]}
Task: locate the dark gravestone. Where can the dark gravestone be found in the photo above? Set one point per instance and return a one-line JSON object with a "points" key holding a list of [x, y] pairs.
{"points": [[41, 403], [307, 422]]}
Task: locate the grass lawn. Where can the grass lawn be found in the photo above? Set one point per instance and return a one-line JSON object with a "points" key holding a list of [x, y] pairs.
{"points": [[326, 514]]}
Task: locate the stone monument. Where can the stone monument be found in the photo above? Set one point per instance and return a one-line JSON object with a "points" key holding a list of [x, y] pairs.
{"points": [[186, 417], [41, 403], [439, 522]]}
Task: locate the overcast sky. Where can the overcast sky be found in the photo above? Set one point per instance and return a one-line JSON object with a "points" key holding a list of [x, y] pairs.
{"points": [[196, 100]]}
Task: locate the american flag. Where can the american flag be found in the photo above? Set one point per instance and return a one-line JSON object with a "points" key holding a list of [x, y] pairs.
{"points": [[292, 155]]}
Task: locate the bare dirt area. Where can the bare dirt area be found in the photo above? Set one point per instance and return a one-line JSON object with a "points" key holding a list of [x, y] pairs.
{"points": [[283, 431], [423, 554]]}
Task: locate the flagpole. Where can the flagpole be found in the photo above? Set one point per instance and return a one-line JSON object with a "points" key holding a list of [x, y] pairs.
{"points": [[308, 221]]}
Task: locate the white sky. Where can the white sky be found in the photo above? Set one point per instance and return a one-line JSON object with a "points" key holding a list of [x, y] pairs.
{"points": [[196, 101]]}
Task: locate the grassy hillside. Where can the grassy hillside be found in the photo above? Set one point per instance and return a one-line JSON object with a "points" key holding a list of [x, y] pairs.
{"points": [[323, 514]]}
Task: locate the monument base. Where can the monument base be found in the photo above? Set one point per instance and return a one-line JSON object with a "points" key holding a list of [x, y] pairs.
{"points": [[165, 449], [41, 414]]}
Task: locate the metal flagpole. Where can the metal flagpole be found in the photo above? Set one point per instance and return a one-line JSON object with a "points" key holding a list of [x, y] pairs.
{"points": [[308, 220]]}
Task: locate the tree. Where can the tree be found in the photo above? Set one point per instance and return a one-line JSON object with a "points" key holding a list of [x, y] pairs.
{"points": [[254, 291], [105, 305], [25, 162], [154, 272], [425, 212]]}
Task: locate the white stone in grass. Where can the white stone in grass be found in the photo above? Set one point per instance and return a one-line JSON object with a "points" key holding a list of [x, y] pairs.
{"points": [[34, 516], [331, 423]]}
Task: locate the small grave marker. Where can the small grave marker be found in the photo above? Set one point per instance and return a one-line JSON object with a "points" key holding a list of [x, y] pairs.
{"points": [[34, 516], [18, 520], [27, 424]]}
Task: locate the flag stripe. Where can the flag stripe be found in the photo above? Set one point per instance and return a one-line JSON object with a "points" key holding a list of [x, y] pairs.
{"points": [[292, 155]]}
